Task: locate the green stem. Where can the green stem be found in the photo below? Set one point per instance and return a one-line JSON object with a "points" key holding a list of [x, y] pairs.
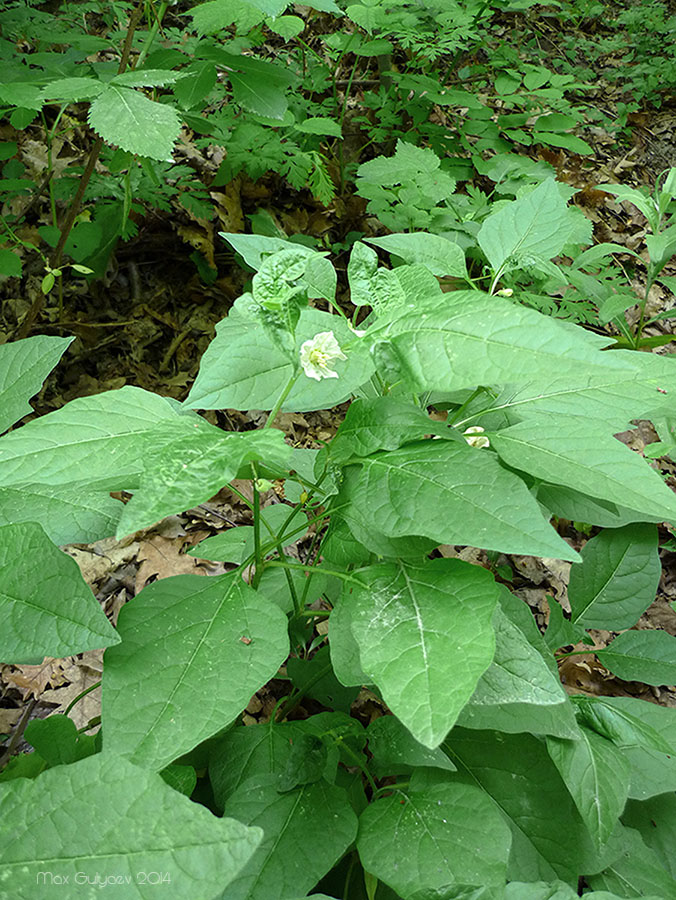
{"points": [[652, 274], [358, 763], [296, 697], [343, 575], [152, 34], [280, 400], [80, 696], [258, 557]]}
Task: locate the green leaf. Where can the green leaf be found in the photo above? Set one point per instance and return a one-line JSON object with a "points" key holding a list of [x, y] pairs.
{"points": [[617, 580], [196, 84], [574, 451], [394, 750], [655, 819], [439, 255], [242, 368], [198, 623], [619, 723], [519, 692], [568, 503], [307, 830], [129, 120], [518, 673], [257, 85], [447, 492], [638, 869], [319, 125], [11, 266], [97, 441], [215, 15], [54, 825], [345, 653], [361, 268], [549, 838], [235, 544], [653, 771], [24, 365], [316, 679], [68, 514], [145, 78], [646, 656], [560, 630], [597, 775], [457, 340], [452, 835], [425, 637], [381, 423], [265, 749], [254, 248], [188, 462], [70, 90], [181, 778], [635, 385], [538, 224], [58, 741], [47, 607], [567, 141]]}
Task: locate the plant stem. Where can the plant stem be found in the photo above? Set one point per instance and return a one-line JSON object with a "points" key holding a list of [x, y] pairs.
{"points": [[80, 696], [650, 280], [343, 575], [282, 397]]}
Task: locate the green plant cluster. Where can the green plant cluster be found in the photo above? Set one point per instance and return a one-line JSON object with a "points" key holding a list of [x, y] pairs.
{"points": [[487, 780]]}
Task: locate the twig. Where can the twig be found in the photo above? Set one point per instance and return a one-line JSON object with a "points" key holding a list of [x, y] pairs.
{"points": [[17, 734]]}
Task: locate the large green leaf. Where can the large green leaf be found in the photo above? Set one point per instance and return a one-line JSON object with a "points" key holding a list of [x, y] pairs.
{"points": [[104, 817], [535, 226], [306, 831], [454, 494], [451, 341], [572, 451], [47, 607], [434, 837], [194, 650], [596, 773], [549, 838], [24, 365], [68, 514], [97, 441], [436, 253], [128, 119], [633, 385], [617, 579], [647, 656], [188, 462], [425, 637], [243, 369]]}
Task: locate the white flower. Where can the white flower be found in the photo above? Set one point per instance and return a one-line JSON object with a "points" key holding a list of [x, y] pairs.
{"points": [[476, 441], [317, 353], [506, 292]]}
